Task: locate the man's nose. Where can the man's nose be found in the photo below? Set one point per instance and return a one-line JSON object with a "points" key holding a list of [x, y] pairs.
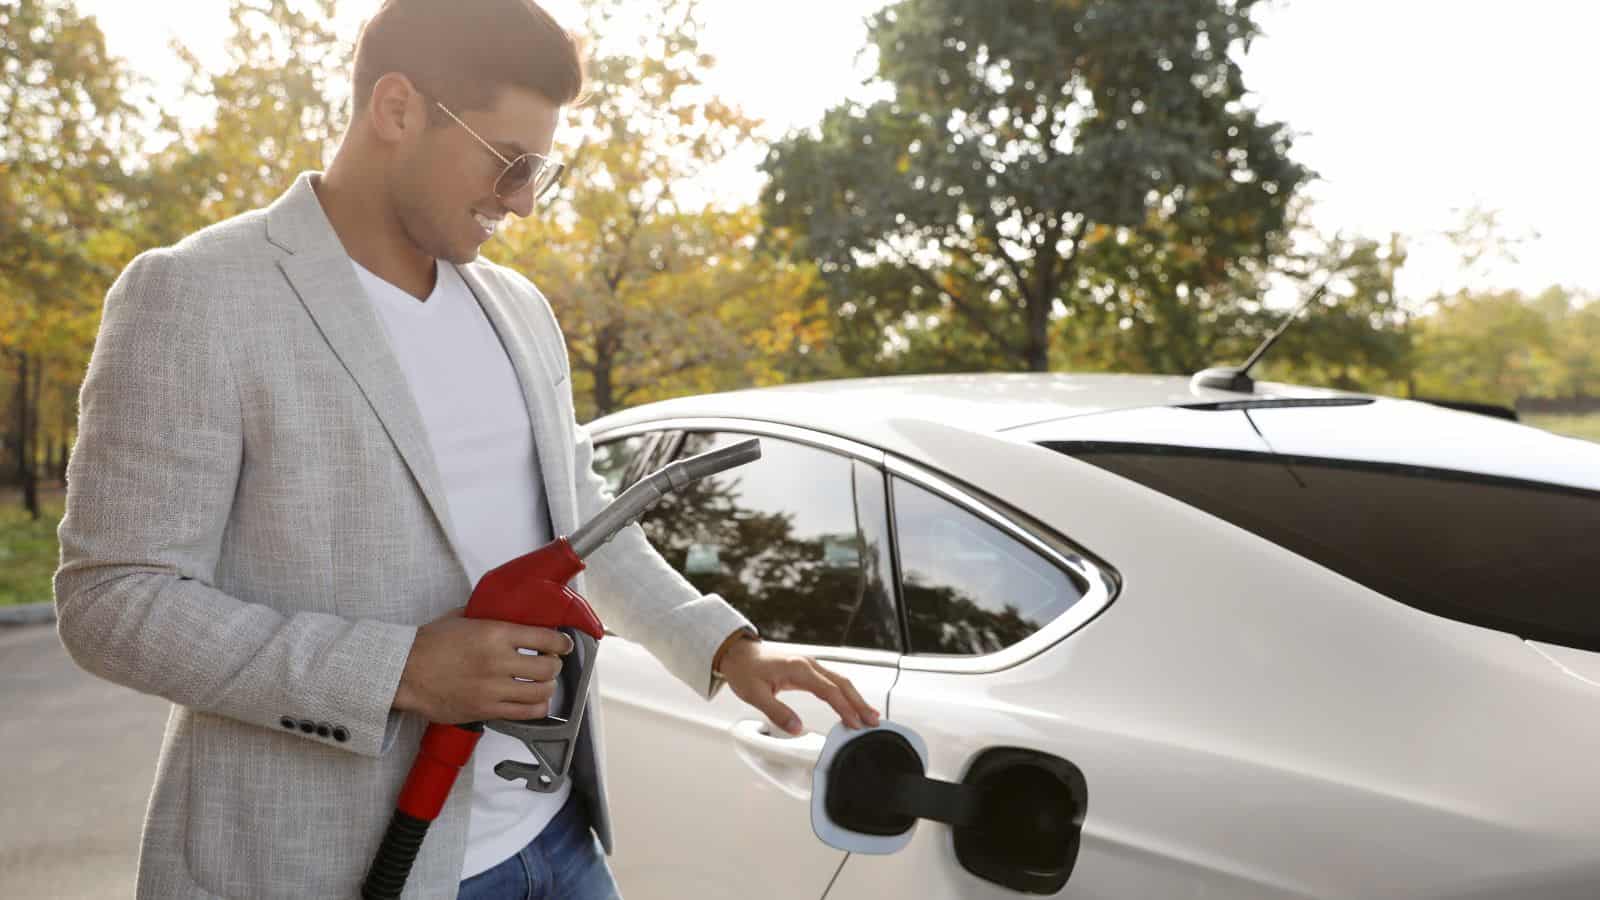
{"points": [[520, 202]]}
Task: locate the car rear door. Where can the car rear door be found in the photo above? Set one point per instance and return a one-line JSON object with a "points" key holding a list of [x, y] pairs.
{"points": [[708, 799]]}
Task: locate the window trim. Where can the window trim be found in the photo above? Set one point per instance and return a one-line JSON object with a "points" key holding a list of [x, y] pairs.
{"points": [[1103, 582], [755, 427]]}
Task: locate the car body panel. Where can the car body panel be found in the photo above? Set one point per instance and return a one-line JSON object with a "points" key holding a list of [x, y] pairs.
{"points": [[697, 813], [1261, 730], [1250, 724]]}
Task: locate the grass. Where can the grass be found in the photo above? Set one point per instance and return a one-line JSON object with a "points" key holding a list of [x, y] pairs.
{"points": [[28, 550], [1580, 426]]}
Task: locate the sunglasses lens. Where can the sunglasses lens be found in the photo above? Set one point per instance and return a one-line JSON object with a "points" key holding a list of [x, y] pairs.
{"points": [[526, 170], [549, 175], [516, 176]]}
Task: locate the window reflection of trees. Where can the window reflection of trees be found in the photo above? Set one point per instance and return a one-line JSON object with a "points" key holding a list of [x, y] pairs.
{"points": [[794, 588], [969, 588], [943, 619]]}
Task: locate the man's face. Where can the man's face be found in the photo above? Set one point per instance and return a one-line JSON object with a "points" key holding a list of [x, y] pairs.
{"points": [[444, 189]]}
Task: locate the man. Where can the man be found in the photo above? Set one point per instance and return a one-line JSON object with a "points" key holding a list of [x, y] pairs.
{"points": [[305, 433]]}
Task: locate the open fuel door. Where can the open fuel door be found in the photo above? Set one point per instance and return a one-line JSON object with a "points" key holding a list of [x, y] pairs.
{"points": [[1015, 816]]}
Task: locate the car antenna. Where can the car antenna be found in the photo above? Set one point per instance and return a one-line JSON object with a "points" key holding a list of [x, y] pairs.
{"points": [[1227, 378]]}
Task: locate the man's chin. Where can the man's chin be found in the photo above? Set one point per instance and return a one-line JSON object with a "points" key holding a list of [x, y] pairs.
{"points": [[458, 255]]}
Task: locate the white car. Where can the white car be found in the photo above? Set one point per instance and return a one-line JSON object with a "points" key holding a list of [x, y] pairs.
{"points": [[1178, 642]]}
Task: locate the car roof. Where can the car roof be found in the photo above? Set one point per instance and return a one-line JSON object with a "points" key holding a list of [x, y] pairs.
{"points": [[904, 414], [978, 402]]}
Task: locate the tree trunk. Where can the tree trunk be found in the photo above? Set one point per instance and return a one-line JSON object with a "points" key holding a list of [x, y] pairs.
{"points": [[605, 357], [1039, 333], [1042, 298], [28, 376], [19, 417]]}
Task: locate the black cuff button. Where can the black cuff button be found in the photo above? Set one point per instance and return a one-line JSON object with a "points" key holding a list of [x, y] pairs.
{"points": [[287, 723], [339, 734], [307, 726], [324, 729]]}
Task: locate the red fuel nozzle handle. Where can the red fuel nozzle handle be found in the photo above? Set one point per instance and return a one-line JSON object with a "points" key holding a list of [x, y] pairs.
{"points": [[529, 590], [532, 590]]}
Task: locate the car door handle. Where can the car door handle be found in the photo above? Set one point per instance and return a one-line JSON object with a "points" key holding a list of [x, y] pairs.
{"points": [[785, 762], [756, 736]]}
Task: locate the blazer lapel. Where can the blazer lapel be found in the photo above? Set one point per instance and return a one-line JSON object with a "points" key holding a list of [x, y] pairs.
{"points": [[551, 434], [321, 274]]}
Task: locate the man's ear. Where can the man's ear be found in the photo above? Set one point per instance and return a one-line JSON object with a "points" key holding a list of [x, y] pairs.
{"points": [[396, 110]]}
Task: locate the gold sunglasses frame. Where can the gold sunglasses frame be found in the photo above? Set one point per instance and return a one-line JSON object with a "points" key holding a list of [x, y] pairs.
{"points": [[534, 174]]}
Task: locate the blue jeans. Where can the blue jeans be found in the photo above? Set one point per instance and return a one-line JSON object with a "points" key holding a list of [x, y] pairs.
{"points": [[565, 861]]}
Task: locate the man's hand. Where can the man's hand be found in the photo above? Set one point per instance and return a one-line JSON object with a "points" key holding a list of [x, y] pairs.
{"points": [[756, 673], [468, 670]]}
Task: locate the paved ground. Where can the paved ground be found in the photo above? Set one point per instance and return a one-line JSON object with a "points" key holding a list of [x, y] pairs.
{"points": [[76, 759]]}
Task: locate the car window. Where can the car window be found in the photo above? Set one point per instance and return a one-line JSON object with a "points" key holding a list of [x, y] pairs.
{"points": [[1503, 553], [968, 586], [794, 540], [612, 458]]}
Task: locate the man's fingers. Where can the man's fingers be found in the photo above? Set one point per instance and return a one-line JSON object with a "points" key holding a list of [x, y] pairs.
{"points": [[864, 711], [544, 640], [533, 668], [760, 696], [518, 712], [837, 691], [527, 692]]}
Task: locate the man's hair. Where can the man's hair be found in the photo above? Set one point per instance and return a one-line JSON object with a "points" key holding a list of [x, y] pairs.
{"points": [[460, 52]]}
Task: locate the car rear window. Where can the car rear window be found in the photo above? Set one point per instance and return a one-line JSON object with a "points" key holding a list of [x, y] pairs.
{"points": [[1518, 556]]}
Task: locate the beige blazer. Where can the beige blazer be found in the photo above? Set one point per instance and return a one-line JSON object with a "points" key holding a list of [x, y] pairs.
{"points": [[255, 527]]}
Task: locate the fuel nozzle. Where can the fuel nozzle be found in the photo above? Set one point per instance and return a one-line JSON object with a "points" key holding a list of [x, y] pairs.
{"points": [[633, 502], [530, 590], [543, 574]]}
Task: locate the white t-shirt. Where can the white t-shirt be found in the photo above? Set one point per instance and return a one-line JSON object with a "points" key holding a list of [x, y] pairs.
{"points": [[477, 423]]}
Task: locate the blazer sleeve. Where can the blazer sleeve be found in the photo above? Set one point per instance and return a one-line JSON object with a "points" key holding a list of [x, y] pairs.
{"points": [[150, 488], [649, 601]]}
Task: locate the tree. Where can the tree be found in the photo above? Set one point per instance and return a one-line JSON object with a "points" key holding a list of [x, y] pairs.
{"points": [[1571, 363], [660, 293], [279, 110], [63, 116], [1482, 347], [1022, 138]]}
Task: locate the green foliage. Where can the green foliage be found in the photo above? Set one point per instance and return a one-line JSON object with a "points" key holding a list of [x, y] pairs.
{"points": [[659, 295], [28, 552], [1481, 347], [62, 116], [1358, 337], [279, 109], [64, 213], [1499, 346], [1586, 426], [1078, 184], [1039, 160]]}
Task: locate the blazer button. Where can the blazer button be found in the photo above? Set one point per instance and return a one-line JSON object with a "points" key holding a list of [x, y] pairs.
{"points": [[287, 723], [339, 734], [307, 726], [324, 729]]}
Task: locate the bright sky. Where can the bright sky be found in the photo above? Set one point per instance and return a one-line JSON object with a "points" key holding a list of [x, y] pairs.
{"points": [[1410, 110]]}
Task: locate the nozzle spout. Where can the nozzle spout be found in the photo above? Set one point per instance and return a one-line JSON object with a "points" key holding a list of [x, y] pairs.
{"points": [[633, 502]]}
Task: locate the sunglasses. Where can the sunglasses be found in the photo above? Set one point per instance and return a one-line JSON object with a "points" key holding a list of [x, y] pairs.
{"points": [[535, 169]]}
